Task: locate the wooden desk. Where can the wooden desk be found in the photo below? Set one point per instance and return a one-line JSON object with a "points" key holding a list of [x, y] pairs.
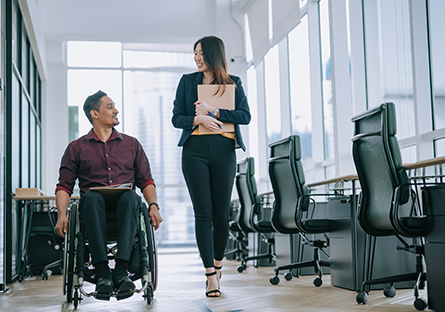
{"points": [[425, 163]]}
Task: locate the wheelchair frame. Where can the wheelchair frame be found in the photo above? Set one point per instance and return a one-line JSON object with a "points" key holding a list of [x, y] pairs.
{"points": [[74, 275]]}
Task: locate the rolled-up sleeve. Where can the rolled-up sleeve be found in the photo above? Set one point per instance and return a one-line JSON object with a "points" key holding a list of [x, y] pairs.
{"points": [[68, 171], [143, 175]]}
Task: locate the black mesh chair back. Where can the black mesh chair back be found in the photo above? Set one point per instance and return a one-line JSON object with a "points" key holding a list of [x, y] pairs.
{"points": [[249, 217], [288, 183]]}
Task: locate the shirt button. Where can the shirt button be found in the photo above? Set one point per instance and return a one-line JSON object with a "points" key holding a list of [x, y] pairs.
{"points": [[109, 168], [107, 155], [105, 143], [111, 181]]}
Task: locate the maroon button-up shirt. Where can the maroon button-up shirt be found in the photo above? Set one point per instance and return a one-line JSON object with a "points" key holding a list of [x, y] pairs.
{"points": [[95, 163]]}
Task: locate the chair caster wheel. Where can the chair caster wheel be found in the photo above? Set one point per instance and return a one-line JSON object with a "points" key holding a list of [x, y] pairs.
{"points": [[241, 268], [389, 292], [274, 280], [362, 297], [318, 281], [420, 304], [288, 276]]}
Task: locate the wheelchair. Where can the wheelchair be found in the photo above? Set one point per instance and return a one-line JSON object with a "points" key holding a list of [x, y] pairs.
{"points": [[78, 268]]}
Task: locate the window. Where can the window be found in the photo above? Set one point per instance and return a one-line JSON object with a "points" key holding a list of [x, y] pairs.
{"points": [[300, 89], [143, 89], [388, 60], [272, 90]]}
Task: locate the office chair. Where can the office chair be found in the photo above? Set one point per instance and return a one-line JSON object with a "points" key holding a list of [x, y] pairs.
{"points": [[387, 204], [250, 212], [292, 205], [237, 239]]}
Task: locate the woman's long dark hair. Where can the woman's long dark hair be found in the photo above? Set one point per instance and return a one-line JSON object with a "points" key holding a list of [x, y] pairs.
{"points": [[214, 54]]}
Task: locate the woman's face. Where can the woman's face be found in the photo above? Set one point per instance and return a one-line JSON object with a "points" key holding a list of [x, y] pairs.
{"points": [[199, 59]]}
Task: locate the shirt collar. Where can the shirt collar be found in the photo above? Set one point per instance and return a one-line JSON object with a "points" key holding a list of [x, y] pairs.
{"points": [[114, 135]]}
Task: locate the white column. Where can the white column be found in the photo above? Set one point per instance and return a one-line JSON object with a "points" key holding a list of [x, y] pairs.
{"points": [[54, 115]]}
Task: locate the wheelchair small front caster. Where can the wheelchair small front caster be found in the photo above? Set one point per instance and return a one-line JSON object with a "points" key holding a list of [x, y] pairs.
{"points": [[362, 297], [274, 280], [288, 276], [148, 295], [318, 281], [389, 291], [420, 304], [241, 268], [76, 299]]}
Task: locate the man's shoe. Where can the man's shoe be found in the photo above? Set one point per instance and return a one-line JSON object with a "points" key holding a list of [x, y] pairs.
{"points": [[123, 283], [104, 285], [124, 286]]}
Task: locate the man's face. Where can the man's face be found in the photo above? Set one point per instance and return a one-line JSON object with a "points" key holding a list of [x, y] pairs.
{"points": [[107, 114]]}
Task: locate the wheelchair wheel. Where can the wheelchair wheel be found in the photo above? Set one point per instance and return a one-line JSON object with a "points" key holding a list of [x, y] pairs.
{"points": [[151, 248], [69, 254]]}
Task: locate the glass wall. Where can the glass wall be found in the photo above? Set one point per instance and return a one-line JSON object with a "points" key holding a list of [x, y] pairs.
{"points": [[272, 93], [389, 72], [300, 90], [143, 86], [22, 129], [380, 34]]}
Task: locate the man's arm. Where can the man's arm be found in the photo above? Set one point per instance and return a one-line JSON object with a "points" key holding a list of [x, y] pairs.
{"points": [[150, 196], [62, 202]]}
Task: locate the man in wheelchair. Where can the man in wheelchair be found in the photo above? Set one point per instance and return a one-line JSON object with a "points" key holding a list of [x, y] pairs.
{"points": [[105, 157]]}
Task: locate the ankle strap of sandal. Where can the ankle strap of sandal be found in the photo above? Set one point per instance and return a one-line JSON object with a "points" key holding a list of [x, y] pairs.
{"points": [[211, 274], [218, 268]]}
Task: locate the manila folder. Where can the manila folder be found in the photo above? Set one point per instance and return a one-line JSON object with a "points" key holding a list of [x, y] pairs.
{"points": [[112, 191], [206, 93]]}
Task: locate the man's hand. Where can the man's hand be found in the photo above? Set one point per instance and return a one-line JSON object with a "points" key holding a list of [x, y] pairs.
{"points": [[155, 217], [62, 202], [62, 225]]}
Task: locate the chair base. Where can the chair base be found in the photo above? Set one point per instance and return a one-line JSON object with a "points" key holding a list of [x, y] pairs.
{"points": [[390, 291], [316, 263], [240, 251], [270, 256]]}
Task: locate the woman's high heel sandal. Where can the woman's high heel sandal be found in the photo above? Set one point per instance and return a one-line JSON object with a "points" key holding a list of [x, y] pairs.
{"points": [[214, 291], [220, 271], [220, 274]]}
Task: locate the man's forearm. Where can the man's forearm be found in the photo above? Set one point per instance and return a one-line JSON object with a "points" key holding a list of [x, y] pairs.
{"points": [[149, 193], [62, 202]]}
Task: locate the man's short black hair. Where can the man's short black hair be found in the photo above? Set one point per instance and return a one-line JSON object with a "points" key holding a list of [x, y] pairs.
{"points": [[93, 103]]}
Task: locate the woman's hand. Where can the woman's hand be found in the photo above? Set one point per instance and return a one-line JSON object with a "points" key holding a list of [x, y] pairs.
{"points": [[202, 108], [209, 122]]}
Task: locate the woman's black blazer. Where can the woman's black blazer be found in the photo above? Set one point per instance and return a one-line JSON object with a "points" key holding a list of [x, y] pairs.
{"points": [[184, 107]]}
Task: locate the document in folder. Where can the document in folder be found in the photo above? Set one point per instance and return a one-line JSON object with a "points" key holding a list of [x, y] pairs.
{"points": [[112, 191], [206, 93]]}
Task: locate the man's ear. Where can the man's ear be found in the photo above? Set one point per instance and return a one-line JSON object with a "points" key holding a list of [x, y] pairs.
{"points": [[94, 114]]}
